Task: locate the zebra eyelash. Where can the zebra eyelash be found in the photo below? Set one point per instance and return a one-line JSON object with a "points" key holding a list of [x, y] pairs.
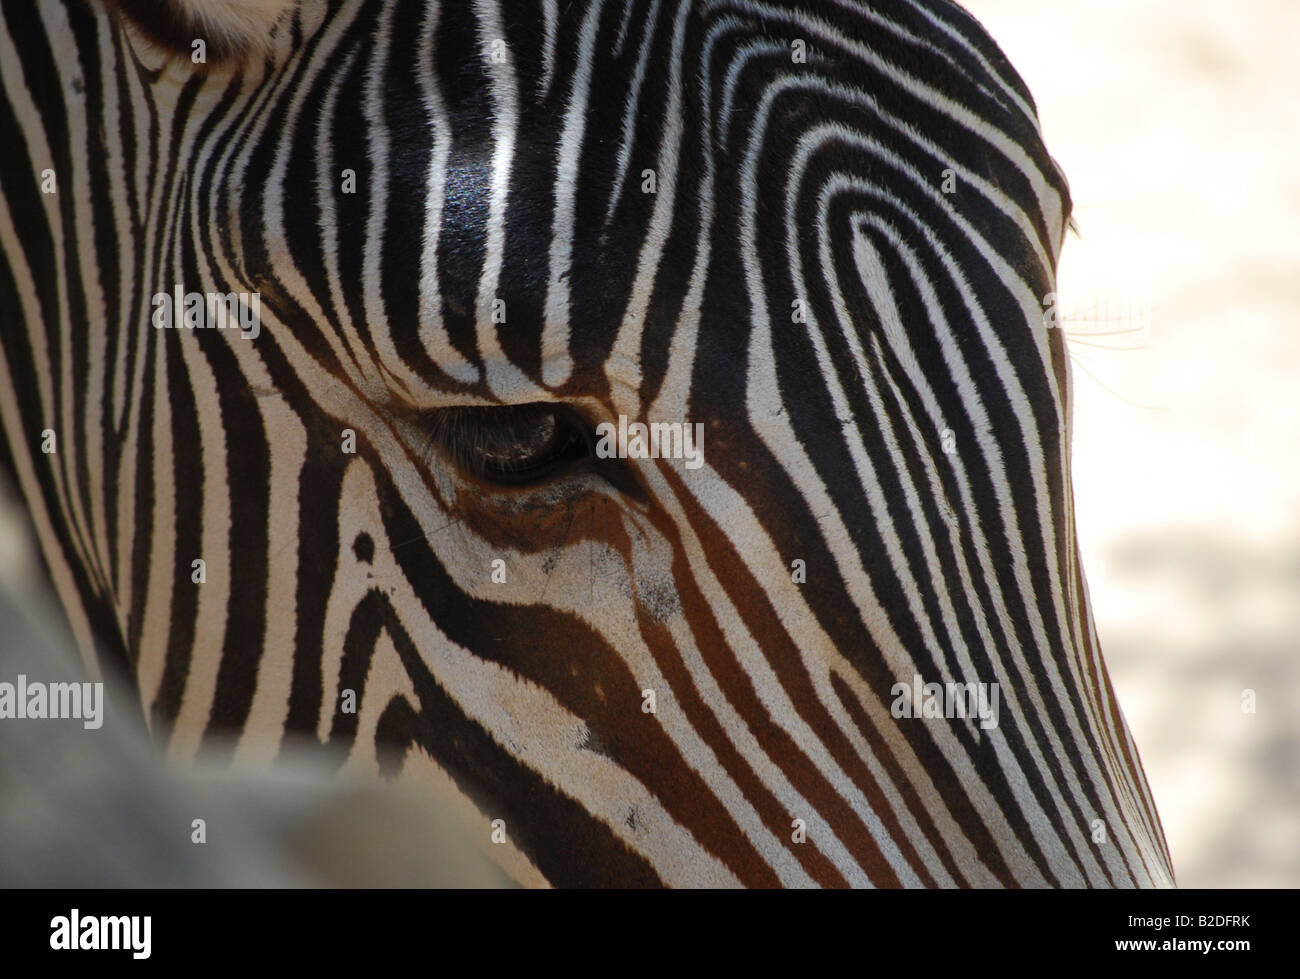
{"points": [[506, 444]]}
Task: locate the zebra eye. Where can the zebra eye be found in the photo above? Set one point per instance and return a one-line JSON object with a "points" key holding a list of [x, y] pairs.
{"points": [[513, 445]]}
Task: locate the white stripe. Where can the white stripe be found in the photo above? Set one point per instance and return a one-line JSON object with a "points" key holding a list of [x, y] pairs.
{"points": [[557, 359], [433, 331], [506, 381]]}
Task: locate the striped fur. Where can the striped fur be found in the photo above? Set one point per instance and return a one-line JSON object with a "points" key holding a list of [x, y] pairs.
{"points": [[515, 172]]}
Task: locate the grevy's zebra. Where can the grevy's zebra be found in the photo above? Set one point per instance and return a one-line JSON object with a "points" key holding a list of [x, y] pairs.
{"points": [[825, 230]]}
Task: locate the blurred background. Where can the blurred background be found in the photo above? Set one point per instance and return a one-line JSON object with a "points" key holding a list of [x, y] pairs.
{"points": [[1177, 124]]}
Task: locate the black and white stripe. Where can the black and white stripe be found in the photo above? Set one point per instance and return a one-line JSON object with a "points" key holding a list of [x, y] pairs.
{"points": [[500, 151]]}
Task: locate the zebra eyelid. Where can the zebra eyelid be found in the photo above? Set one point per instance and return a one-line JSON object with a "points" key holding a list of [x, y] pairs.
{"points": [[469, 438]]}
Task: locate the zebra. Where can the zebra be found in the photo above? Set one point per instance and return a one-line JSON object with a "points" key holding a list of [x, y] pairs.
{"points": [[312, 312]]}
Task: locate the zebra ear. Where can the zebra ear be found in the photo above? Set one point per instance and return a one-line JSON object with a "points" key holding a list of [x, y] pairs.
{"points": [[206, 33]]}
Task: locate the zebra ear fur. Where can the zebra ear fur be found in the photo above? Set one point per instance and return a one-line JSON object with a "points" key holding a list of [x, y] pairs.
{"points": [[232, 31]]}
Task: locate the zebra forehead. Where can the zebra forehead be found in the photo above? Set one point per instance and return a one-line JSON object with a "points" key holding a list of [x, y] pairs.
{"points": [[498, 216]]}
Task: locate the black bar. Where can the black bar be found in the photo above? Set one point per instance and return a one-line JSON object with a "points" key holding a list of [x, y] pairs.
{"points": [[480, 929]]}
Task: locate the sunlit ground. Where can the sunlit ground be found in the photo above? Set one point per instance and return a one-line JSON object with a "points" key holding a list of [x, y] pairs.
{"points": [[1177, 124]]}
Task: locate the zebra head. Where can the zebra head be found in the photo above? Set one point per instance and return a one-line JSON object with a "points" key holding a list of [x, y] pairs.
{"points": [[640, 416]]}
